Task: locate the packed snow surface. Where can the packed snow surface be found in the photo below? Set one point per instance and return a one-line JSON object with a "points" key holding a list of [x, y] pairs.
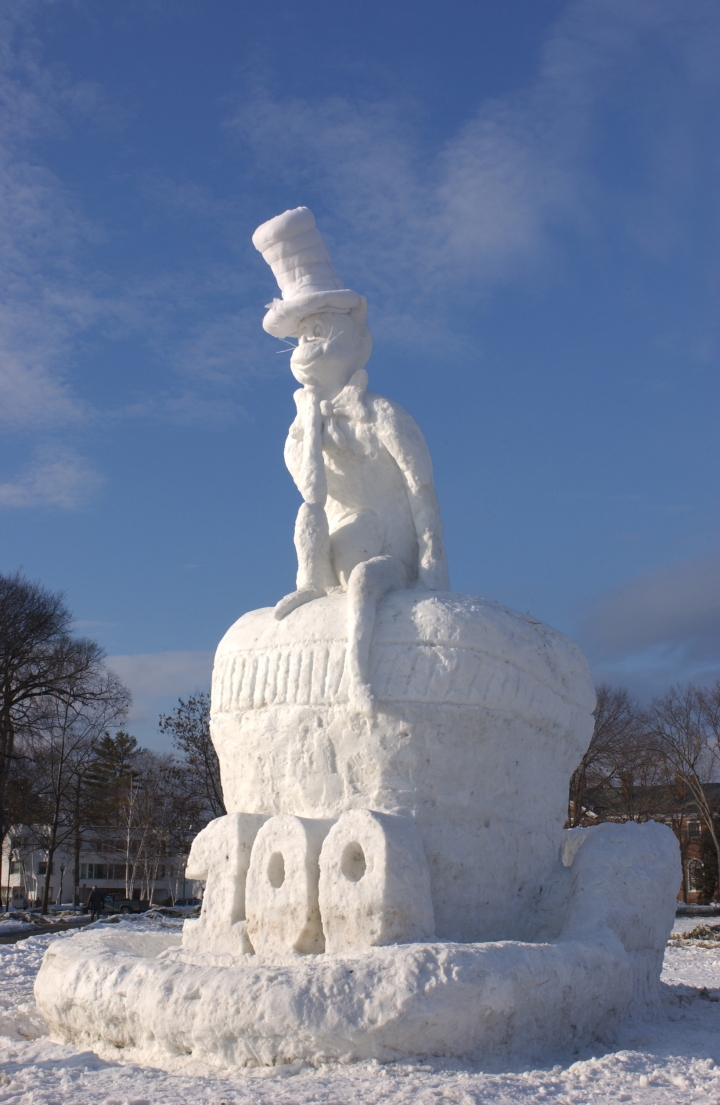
{"points": [[671, 1060]]}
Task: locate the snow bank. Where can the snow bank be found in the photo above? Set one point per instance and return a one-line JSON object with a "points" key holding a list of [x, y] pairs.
{"points": [[9, 926]]}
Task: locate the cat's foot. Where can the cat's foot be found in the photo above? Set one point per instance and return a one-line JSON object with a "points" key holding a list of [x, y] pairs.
{"points": [[296, 598], [362, 699]]}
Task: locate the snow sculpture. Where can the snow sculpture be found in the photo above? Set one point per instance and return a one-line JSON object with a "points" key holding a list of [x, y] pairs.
{"points": [[374, 883], [220, 855], [393, 877], [282, 886], [370, 520]]}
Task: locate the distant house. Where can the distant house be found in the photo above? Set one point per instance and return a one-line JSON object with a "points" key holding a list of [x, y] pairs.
{"points": [[675, 806], [101, 862]]}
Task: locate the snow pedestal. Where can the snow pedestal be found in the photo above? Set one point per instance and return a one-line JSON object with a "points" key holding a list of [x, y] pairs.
{"points": [[493, 1002], [390, 885], [482, 716]]}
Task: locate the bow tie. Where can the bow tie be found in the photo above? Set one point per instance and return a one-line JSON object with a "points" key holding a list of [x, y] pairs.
{"points": [[348, 405]]}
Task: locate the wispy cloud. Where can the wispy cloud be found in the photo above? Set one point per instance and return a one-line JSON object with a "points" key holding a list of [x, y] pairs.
{"points": [[163, 673], [487, 205], [58, 478], [53, 291], [157, 679], [424, 229], [664, 624], [45, 300]]}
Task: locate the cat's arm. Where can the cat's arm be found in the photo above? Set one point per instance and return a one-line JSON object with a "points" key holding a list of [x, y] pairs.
{"points": [[404, 441]]}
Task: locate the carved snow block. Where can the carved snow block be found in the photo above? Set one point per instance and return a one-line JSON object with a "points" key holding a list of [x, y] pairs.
{"points": [[483, 714], [624, 879], [220, 855], [282, 886], [374, 883]]}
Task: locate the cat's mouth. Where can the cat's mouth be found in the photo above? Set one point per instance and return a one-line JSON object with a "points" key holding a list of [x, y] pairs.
{"points": [[309, 352]]}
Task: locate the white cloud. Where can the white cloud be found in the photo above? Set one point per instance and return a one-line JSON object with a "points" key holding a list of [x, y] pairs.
{"points": [[479, 209], [51, 291], [59, 477], [31, 395]]}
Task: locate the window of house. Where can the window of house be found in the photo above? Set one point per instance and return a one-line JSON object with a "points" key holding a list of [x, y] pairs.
{"points": [[118, 871], [96, 871], [694, 874], [693, 829], [42, 868], [15, 866]]}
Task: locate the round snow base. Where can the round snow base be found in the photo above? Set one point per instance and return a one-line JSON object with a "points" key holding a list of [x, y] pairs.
{"points": [[492, 1001], [486, 1002]]}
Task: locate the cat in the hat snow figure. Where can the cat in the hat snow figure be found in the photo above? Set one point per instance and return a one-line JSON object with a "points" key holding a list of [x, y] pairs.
{"points": [[370, 520]]}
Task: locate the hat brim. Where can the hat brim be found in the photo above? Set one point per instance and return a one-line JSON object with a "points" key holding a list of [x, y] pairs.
{"points": [[285, 315]]}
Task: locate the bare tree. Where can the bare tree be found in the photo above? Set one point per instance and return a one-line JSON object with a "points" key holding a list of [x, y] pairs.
{"points": [[168, 811], [189, 728], [64, 733], [614, 779], [39, 660], [685, 726]]}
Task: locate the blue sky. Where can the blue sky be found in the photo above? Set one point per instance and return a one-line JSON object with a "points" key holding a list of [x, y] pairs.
{"points": [[527, 193]]}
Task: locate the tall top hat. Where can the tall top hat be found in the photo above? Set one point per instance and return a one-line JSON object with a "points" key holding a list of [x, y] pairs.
{"points": [[295, 250]]}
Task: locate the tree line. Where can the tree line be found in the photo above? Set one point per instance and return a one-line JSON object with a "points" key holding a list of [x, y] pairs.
{"points": [[660, 761], [69, 772]]}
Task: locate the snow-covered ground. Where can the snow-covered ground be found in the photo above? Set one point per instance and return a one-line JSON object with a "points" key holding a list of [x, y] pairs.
{"points": [[20, 921], [10, 926], [673, 1061]]}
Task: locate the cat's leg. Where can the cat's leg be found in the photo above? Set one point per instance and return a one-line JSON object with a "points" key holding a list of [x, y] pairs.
{"points": [[369, 582]]}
